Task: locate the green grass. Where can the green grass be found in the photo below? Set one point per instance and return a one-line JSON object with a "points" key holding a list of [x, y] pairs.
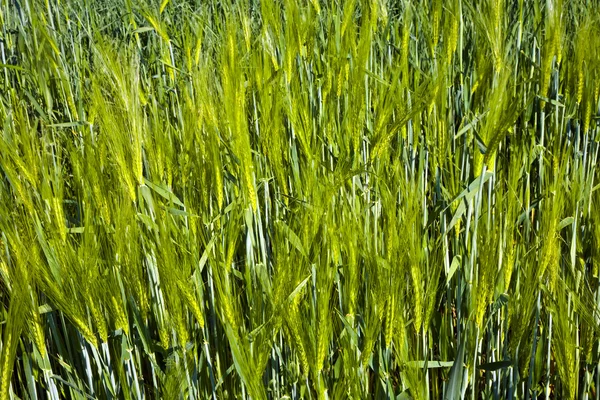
{"points": [[299, 199]]}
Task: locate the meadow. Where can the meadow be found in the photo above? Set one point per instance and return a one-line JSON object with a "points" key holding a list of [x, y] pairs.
{"points": [[299, 199]]}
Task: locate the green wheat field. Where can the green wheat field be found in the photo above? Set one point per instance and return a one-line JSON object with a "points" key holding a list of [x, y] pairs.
{"points": [[299, 199]]}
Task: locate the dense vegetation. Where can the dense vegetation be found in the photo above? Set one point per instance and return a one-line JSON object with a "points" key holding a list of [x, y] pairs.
{"points": [[299, 199]]}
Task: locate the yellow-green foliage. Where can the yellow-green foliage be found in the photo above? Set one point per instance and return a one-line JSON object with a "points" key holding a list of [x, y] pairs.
{"points": [[299, 199]]}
